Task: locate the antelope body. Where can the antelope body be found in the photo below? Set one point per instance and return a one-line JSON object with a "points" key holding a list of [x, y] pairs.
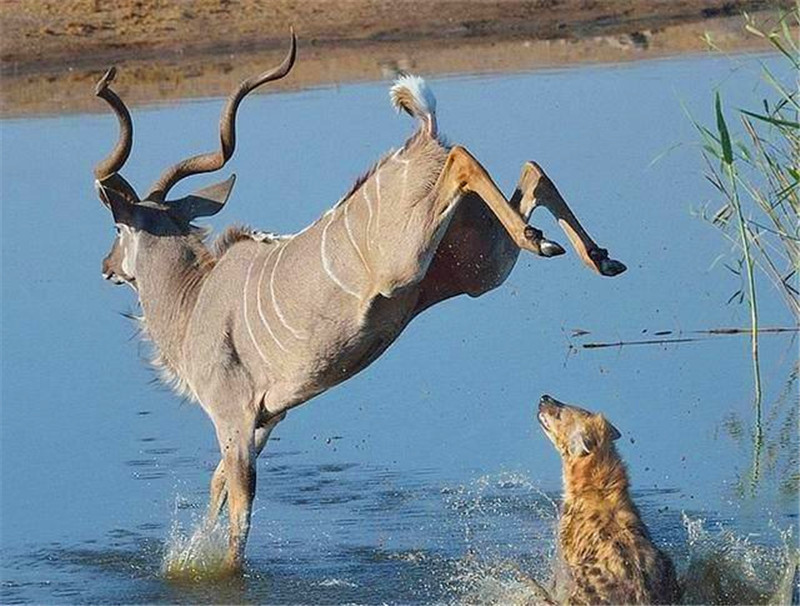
{"points": [[259, 323]]}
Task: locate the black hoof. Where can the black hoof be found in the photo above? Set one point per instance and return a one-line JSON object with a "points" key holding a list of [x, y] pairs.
{"points": [[605, 265], [550, 248], [611, 267]]}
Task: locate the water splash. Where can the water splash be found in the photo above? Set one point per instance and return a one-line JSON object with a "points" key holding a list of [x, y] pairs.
{"points": [[477, 581], [198, 555], [492, 502], [509, 529], [335, 582], [726, 568], [508, 524]]}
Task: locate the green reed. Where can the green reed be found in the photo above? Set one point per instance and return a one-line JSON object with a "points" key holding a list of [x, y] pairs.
{"points": [[757, 175]]}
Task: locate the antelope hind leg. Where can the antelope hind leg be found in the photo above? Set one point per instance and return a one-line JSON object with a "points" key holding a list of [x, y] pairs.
{"points": [[462, 174], [544, 193]]}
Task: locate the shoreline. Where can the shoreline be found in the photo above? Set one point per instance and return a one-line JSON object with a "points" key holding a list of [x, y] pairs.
{"points": [[65, 86]]}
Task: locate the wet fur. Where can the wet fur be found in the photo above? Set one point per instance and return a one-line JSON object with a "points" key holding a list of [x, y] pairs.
{"points": [[604, 545]]}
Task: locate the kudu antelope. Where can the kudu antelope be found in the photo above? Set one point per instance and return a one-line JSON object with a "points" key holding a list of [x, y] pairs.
{"points": [[259, 324]]}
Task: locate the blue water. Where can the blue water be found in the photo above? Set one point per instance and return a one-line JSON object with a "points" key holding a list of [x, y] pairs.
{"points": [[420, 478]]}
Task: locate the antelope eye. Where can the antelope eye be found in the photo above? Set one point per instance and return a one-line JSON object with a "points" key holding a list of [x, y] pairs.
{"points": [[116, 229]]}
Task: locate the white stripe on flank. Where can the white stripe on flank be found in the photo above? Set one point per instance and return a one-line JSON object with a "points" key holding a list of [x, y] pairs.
{"points": [[258, 300], [326, 264], [378, 198], [369, 214], [378, 204], [244, 313], [351, 238], [297, 334]]}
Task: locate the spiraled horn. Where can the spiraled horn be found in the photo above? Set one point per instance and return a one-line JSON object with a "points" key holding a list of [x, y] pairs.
{"points": [[114, 161], [209, 162]]}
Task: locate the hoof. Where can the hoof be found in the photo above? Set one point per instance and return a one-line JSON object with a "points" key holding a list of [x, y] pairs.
{"points": [[611, 267], [538, 244], [549, 248], [604, 264]]}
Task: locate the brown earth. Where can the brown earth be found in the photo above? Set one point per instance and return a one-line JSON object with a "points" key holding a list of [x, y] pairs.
{"points": [[51, 51]]}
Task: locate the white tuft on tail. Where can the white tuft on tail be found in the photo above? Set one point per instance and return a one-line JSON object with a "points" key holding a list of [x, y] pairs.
{"points": [[411, 94]]}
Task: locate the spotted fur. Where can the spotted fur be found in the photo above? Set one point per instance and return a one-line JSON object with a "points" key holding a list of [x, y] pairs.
{"points": [[603, 542]]}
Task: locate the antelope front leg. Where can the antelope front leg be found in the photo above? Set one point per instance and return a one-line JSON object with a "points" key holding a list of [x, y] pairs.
{"points": [[219, 489], [540, 191], [219, 494], [462, 174], [237, 446]]}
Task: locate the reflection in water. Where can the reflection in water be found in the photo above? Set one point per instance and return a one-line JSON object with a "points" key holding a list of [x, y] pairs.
{"points": [[776, 447]]}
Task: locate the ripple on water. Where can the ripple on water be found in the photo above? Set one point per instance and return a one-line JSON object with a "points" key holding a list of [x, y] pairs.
{"points": [[489, 541]]}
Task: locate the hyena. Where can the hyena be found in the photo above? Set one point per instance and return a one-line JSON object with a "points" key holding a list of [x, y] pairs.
{"points": [[605, 548]]}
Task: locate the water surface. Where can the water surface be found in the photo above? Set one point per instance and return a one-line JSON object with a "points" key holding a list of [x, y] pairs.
{"points": [[425, 478]]}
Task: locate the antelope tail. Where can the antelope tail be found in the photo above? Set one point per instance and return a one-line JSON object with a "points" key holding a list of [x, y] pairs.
{"points": [[412, 95]]}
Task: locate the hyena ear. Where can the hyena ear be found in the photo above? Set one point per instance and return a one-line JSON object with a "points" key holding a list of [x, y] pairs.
{"points": [[579, 443], [611, 432]]}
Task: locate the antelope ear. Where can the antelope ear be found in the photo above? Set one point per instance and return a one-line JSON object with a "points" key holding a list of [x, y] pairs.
{"points": [[118, 196], [204, 202]]}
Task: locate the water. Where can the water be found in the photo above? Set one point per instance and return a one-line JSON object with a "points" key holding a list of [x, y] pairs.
{"points": [[425, 478]]}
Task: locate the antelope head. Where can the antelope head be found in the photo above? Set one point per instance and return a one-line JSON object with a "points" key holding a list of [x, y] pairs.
{"points": [[140, 220]]}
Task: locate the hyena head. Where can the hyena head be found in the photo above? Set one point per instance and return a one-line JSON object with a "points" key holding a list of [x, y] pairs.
{"points": [[575, 432]]}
